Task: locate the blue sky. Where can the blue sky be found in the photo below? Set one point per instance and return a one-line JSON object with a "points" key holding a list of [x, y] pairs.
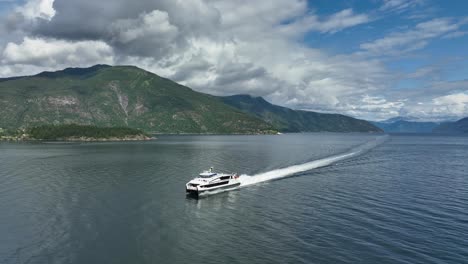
{"points": [[435, 52], [373, 59]]}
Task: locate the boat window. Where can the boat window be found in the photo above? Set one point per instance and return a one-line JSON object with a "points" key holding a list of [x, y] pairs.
{"points": [[215, 184], [207, 175], [225, 177]]}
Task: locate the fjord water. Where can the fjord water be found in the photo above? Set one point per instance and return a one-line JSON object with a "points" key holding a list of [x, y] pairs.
{"points": [[402, 200]]}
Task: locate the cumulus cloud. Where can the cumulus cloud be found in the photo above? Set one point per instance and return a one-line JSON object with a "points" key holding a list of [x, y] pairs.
{"points": [[37, 9], [377, 107], [452, 106], [225, 47], [25, 17], [53, 53], [146, 35], [92, 20]]}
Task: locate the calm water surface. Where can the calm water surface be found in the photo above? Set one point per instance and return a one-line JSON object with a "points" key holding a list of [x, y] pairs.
{"points": [[404, 201]]}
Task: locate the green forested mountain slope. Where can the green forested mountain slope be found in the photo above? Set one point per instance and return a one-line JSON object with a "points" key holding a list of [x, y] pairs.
{"points": [[126, 96], [289, 120], [117, 96]]}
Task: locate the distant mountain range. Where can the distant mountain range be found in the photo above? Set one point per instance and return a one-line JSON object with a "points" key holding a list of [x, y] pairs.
{"points": [[405, 125], [411, 125], [458, 127], [131, 97]]}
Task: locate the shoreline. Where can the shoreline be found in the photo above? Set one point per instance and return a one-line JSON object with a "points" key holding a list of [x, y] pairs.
{"points": [[79, 139], [25, 138]]}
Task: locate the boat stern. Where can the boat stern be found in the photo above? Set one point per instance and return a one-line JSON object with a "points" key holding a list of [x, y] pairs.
{"points": [[191, 188]]}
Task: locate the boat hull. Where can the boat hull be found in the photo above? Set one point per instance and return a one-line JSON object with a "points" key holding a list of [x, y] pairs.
{"points": [[200, 191]]}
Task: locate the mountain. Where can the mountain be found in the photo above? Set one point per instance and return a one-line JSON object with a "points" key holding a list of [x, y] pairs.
{"points": [[117, 96], [458, 127], [126, 96], [288, 120], [404, 125], [402, 118]]}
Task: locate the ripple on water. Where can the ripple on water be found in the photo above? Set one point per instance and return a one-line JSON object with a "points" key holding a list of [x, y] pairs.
{"points": [[402, 202]]}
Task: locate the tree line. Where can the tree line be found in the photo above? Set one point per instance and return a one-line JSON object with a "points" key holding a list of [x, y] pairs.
{"points": [[72, 130]]}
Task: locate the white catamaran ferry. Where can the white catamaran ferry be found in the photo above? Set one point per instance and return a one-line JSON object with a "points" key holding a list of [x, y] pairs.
{"points": [[211, 181]]}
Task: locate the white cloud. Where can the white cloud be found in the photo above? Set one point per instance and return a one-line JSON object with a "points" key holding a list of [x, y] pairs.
{"points": [[34, 9], [456, 34], [429, 72], [56, 53], [219, 47], [338, 21], [144, 35], [455, 104], [332, 24], [413, 39], [400, 5], [155, 24], [229, 47], [447, 107]]}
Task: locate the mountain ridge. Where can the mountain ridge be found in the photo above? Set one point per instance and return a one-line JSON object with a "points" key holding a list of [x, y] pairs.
{"points": [[118, 96], [457, 127], [289, 120], [104, 95], [401, 125]]}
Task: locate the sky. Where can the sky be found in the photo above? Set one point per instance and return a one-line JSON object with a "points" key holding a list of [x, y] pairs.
{"points": [[370, 59]]}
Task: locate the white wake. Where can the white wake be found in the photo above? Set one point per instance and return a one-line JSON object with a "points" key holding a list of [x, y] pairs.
{"points": [[247, 180]]}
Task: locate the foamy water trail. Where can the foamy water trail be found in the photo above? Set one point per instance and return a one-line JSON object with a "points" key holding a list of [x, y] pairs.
{"points": [[247, 180]]}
